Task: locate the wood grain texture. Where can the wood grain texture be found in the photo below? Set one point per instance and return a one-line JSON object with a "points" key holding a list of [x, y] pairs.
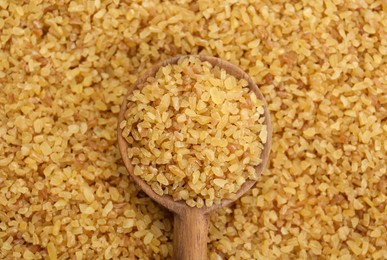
{"points": [[190, 235], [191, 224]]}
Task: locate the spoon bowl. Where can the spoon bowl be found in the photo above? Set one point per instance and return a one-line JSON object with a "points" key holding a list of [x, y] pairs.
{"points": [[191, 223]]}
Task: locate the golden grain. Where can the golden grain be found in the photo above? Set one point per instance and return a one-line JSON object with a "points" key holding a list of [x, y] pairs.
{"points": [[202, 126], [319, 65]]}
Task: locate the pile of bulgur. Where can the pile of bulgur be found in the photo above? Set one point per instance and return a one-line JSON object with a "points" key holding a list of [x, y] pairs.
{"points": [[65, 67], [195, 132]]}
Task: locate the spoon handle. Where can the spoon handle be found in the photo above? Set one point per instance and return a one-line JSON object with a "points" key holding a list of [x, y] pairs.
{"points": [[190, 235]]}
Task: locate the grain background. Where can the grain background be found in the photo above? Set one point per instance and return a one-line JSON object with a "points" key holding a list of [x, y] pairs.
{"points": [[66, 65]]}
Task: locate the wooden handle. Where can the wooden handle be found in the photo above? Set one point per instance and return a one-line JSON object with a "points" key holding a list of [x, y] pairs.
{"points": [[190, 235]]}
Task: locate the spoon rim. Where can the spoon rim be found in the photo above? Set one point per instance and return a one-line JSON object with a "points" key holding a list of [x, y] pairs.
{"points": [[180, 206]]}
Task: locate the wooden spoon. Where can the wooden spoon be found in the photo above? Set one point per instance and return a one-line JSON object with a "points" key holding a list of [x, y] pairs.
{"points": [[190, 223]]}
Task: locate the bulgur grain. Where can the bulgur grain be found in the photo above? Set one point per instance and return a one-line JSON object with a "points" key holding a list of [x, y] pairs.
{"points": [[150, 125], [336, 85]]}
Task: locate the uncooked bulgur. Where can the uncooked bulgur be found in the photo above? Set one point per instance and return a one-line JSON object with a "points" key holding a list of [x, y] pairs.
{"points": [[65, 67], [195, 132]]}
